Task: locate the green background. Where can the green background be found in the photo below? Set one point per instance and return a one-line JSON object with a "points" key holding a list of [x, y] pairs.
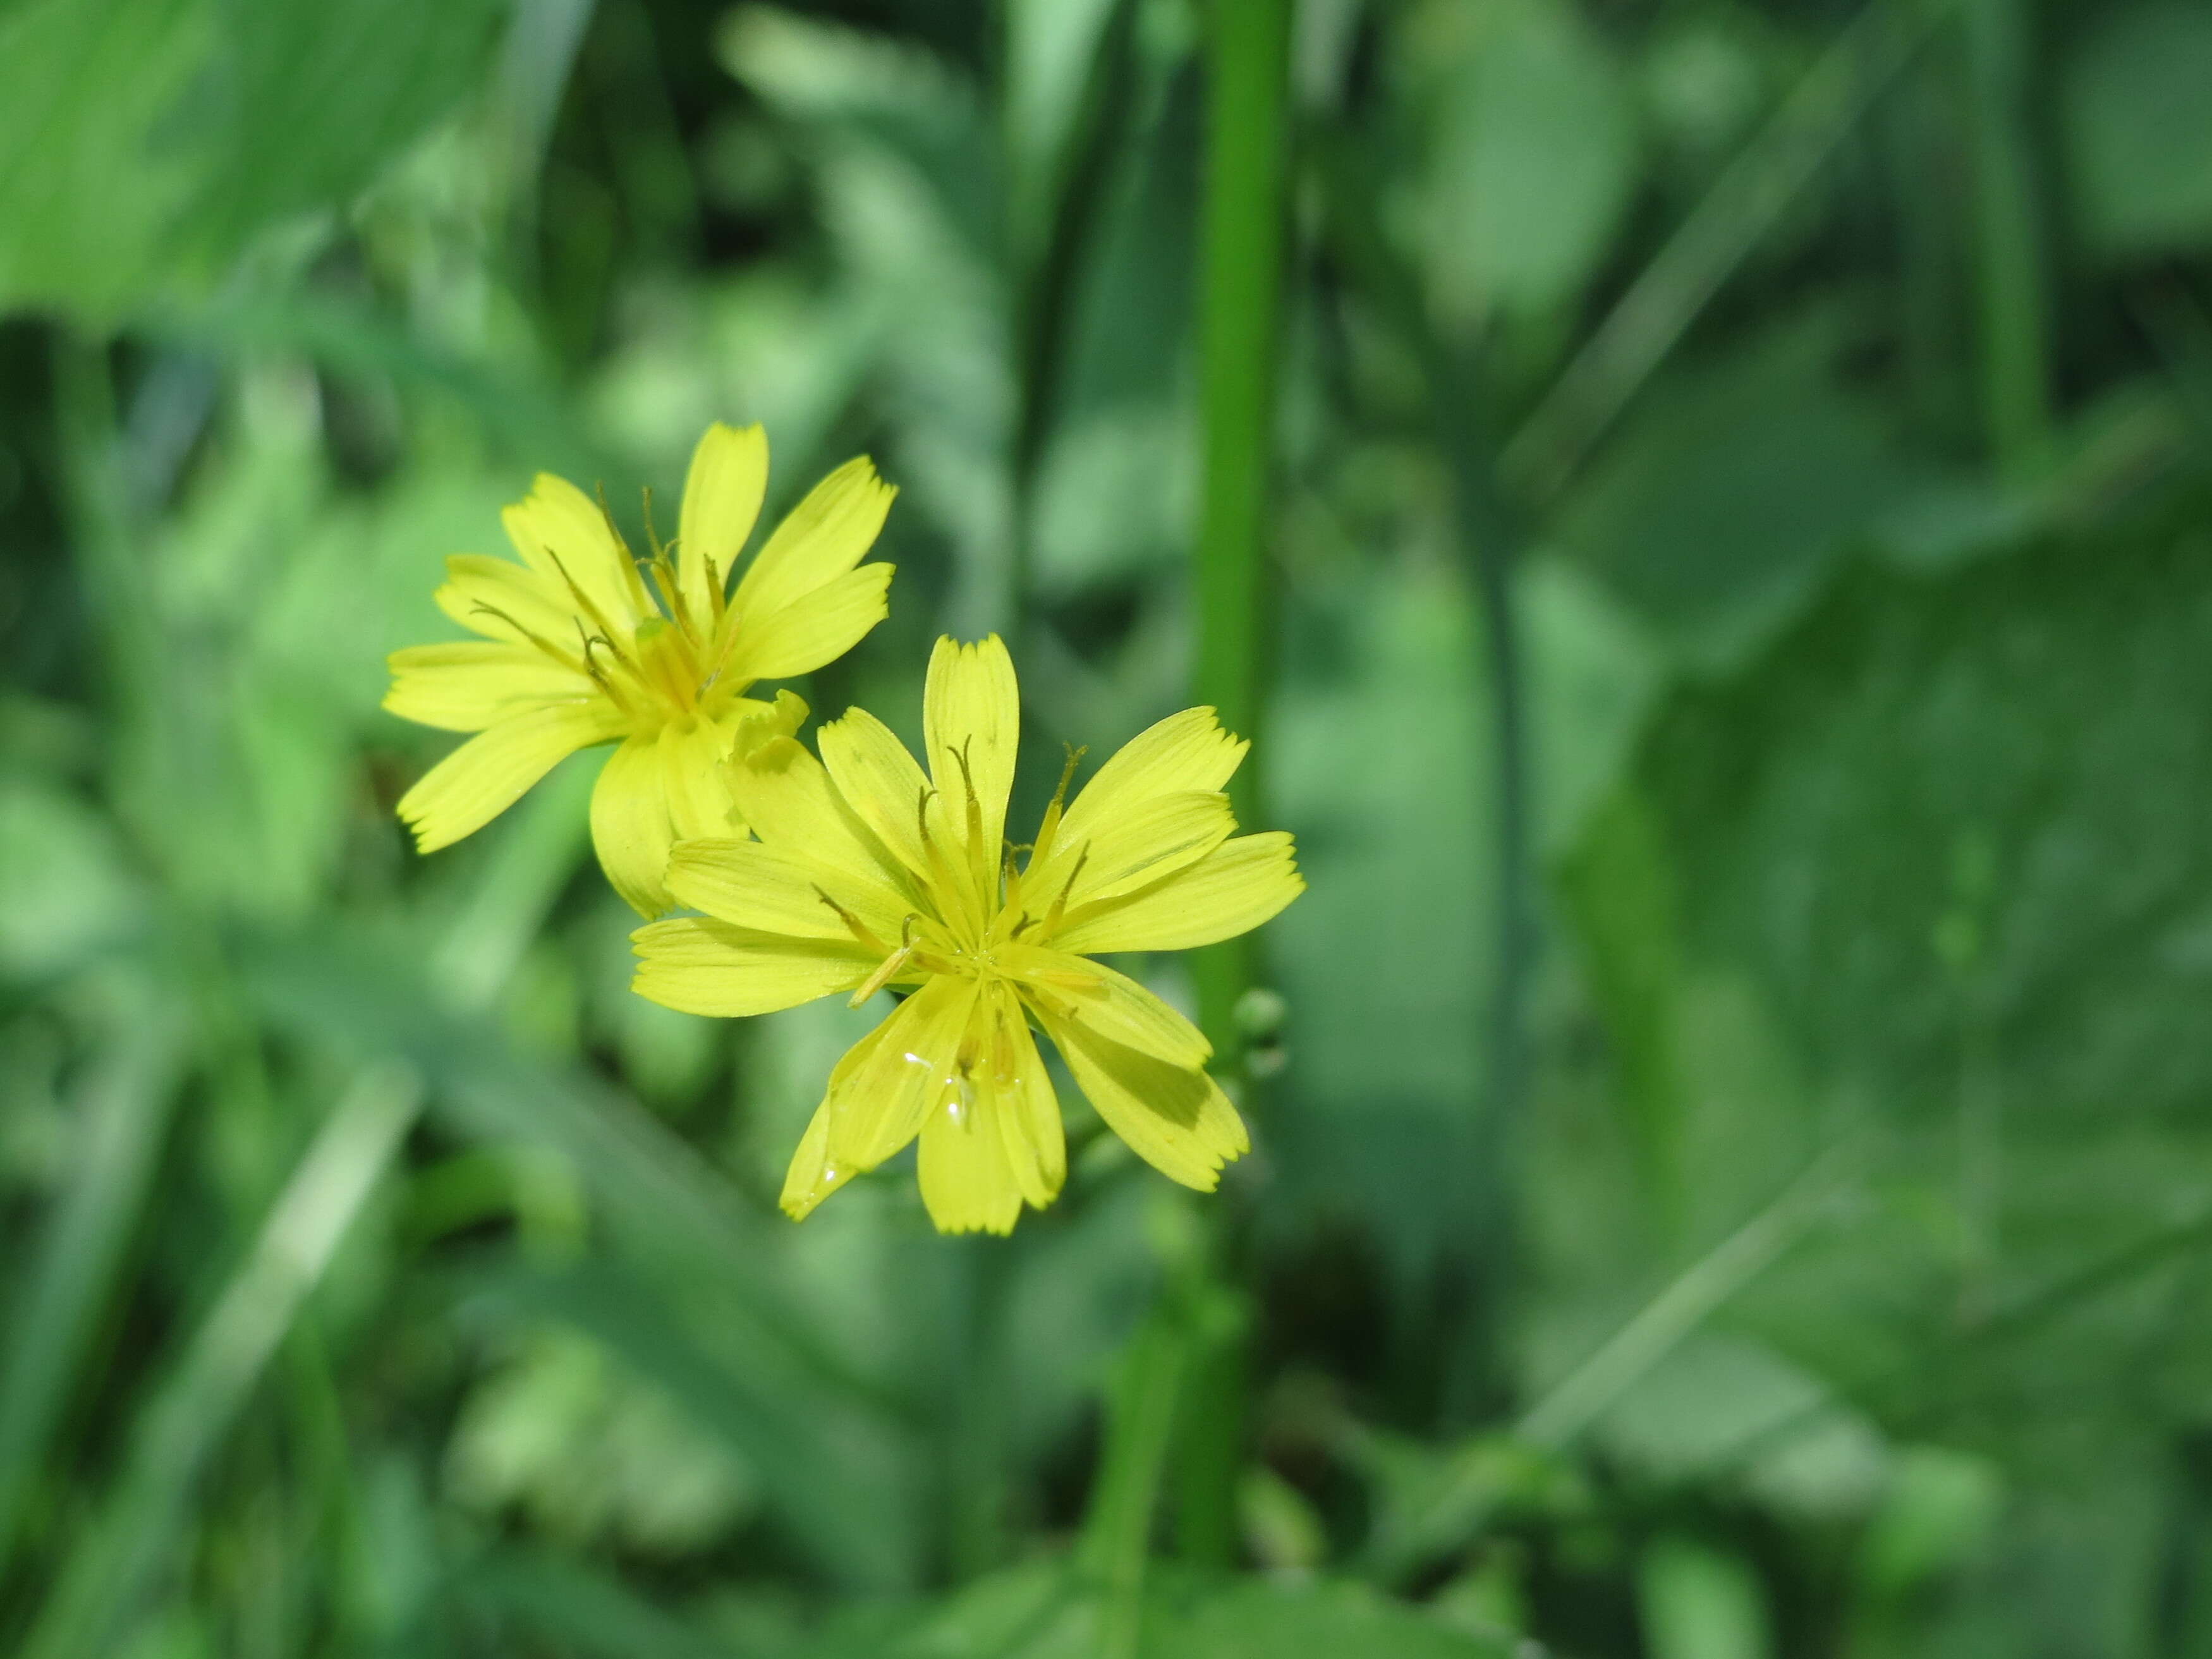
{"points": [[1705, 506]]}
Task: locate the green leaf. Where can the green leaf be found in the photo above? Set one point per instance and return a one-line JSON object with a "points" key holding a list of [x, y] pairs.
{"points": [[148, 140], [2138, 127], [1944, 843], [1533, 153], [1719, 512], [1700, 1603]]}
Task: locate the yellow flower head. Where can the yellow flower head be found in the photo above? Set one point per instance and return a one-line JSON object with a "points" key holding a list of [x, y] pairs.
{"points": [[869, 873], [578, 650]]}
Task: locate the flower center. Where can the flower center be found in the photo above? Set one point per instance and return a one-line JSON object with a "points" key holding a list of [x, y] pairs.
{"points": [[666, 665]]}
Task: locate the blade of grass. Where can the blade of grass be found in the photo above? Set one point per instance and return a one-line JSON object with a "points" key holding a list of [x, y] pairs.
{"points": [[1741, 207], [663, 1204], [1117, 1528], [1583, 1394], [1047, 276], [124, 1113], [108, 1576]]}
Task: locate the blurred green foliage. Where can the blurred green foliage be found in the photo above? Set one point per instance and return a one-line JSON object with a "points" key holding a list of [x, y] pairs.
{"points": [[1733, 1170]]}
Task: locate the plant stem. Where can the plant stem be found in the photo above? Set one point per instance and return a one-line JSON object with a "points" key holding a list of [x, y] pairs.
{"points": [[1239, 299], [2014, 306], [1141, 1419]]}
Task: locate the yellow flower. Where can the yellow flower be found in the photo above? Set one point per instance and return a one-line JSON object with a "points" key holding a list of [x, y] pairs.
{"points": [[867, 874], [577, 651]]}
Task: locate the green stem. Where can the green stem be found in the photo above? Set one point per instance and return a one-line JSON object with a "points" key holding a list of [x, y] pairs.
{"points": [[2014, 307], [1239, 299], [1117, 1530]]}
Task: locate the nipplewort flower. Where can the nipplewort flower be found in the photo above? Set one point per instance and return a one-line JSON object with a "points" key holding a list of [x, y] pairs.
{"points": [[584, 644], [869, 873]]}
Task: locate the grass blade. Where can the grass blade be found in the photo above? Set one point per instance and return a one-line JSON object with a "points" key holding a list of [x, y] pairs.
{"points": [[125, 1114], [109, 1575], [1743, 205]]}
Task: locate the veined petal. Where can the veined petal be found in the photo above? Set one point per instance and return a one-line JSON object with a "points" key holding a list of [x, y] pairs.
{"points": [[1158, 836], [721, 499], [785, 794], [1185, 753], [967, 1180], [702, 966], [1110, 1004], [1175, 1119], [473, 683], [562, 535], [879, 1100], [812, 1177], [489, 773], [822, 537], [629, 824], [971, 715], [819, 626], [657, 788], [751, 884], [1240, 885], [1029, 1110], [499, 599], [879, 779], [691, 754]]}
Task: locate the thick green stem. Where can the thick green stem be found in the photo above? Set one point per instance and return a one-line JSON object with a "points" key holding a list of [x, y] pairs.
{"points": [[1240, 301], [2013, 305]]}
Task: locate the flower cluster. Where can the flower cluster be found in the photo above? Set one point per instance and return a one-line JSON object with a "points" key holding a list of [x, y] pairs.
{"points": [[851, 869]]}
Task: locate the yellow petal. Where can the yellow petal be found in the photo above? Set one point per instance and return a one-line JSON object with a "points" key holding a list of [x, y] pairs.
{"points": [[879, 1099], [702, 966], [995, 1140], [818, 627], [1183, 754], [1029, 1110], [1177, 1120], [967, 1180], [691, 754], [499, 599], [751, 884], [721, 499], [782, 791], [971, 723], [1240, 885], [657, 788], [473, 683], [562, 535], [489, 773], [629, 824], [822, 537], [811, 1176], [1158, 836], [1112, 1004], [879, 781]]}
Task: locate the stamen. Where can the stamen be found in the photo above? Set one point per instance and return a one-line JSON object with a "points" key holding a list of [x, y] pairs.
{"points": [[888, 969], [584, 602], [1060, 905], [854, 924], [884, 975], [978, 860], [545, 644], [622, 546], [1048, 830]]}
